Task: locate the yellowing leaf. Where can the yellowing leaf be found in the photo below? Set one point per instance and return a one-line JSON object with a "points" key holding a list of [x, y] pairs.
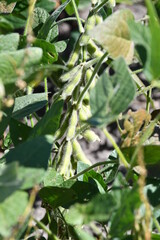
{"points": [[113, 35]]}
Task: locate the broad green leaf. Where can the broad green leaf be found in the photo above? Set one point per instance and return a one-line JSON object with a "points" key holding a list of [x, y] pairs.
{"points": [[40, 15], [79, 234], [10, 210], [154, 25], [151, 154], [114, 36], [70, 9], [146, 39], [18, 65], [99, 209], [48, 25], [33, 153], [124, 218], [112, 94], [9, 181], [30, 176], [5, 25], [49, 50], [68, 193], [9, 42], [50, 122], [28, 104], [60, 46], [52, 178], [80, 167], [5, 119], [19, 132], [94, 177]]}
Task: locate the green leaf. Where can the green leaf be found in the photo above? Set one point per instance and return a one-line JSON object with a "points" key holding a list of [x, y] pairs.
{"points": [[30, 176], [124, 219], [113, 34], [10, 210], [18, 64], [68, 193], [19, 132], [60, 46], [9, 42], [34, 153], [112, 94], [48, 25], [26, 105], [50, 122], [52, 178], [70, 9], [79, 234], [146, 39], [49, 51], [9, 181], [99, 209], [40, 15], [4, 121]]}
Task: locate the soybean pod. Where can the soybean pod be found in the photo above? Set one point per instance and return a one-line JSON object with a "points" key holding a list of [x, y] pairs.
{"points": [[78, 153], [66, 157], [72, 125], [69, 87], [67, 77], [90, 136]]}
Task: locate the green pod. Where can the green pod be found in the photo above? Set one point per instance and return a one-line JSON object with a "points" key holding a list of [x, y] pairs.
{"points": [[99, 19], [74, 56], [90, 136], [66, 157], [91, 22], [61, 131], [67, 77], [93, 49], [88, 75], [84, 113], [69, 87], [84, 40], [72, 125], [78, 153], [112, 3]]}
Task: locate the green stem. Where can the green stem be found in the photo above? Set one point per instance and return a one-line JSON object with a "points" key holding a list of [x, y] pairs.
{"points": [[47, 230], [156, 223], [96, 69], [28, 27], [46, 91], [122, 157], [67, 20], [91, 167], [81, 29], [97, 8], [29, 91]]}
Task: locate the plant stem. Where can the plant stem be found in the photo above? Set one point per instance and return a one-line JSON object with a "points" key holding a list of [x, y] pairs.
{"points": [[28, 27], [122, 157], [67, 20], [46, 91], [81, 29], [91, 167], [97, 8], [156, 223], [85, 90], [47, 230]]}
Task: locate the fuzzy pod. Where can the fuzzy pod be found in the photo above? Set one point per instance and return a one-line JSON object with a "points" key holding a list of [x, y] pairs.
{"points": [[72, 125], [88, 75], [84, 112], [66, 157], [93, 50], [99, 19], [67, 77], [91, 22], [84, 40], [90, 136], [112, 3], [61, 131], [78, 153], [69, 87]]}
